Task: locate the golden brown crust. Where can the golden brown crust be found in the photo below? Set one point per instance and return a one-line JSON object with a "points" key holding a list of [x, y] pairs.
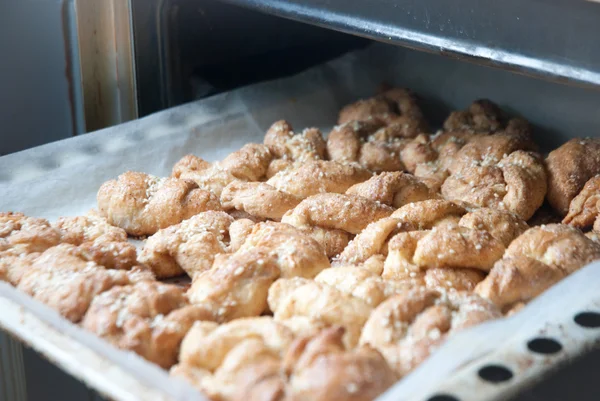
{"points": [[408, 327], [366, 109], [427, 214], [207, 176], [149, 318], [315, 177], [64, 279], [395, 189], [584, 209], [23, 234], [250, 163], [536, 260], [325, 370], [189, 246], [91, 227], [517, 184], [482, 115], [258, 199], [206, 344], [284, 144], [303, 297], [569, 168], [237, 284], [142, 204], [502, 225], [112, 255], [297, 254], [362, 283], [337, 211]]}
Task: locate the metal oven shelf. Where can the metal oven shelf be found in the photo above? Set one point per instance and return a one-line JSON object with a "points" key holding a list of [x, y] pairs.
{"points": [[555, 39]]}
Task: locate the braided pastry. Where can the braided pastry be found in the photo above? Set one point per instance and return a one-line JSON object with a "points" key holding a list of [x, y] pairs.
{"points": [[20, 234], [149, 318], [322, 368], [516, 184], [250, 163], [584, 210], [569, 168], [142, 204], [395, 189], [340, 215], [315, 177], [237, 284], [408, 327], [258, 199], [536, 260], [303, 297], [63, 278], [189, 246]]}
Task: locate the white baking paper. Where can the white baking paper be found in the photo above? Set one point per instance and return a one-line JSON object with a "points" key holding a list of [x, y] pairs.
{"points": [[61, 178]]}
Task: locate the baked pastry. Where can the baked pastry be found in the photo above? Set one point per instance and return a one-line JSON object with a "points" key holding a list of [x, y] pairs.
{"points": [[536, 260], [303, 297], [250, 163], [237, 285], [188, 247], [64, 279], [377, 146], [148, 318], [372, 242], [142, 204], [517, 184], [333, 218], [321, 368], [91, 227], [258, 199], [477, 241], [584, 210], [482, 115], [408, 327], [395, 189], [316, 177], [288, 147], [569, 168], [23, 234], [389, 106]]}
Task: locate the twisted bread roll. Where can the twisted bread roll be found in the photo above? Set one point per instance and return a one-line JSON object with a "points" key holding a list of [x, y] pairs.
{"points": [[569, 168], [395, 189], [536, 260], [142, 204], [315, 177], [408, 327], [91, 227], [584, 210], [303, 297], [148, 318], [21, 234], [258, 199], [323, 369], [189, 246], [516, 184], [336, 214], [63, 278]]}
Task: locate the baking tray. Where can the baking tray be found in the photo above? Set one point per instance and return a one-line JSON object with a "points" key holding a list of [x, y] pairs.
{"points": [[535, 37], [62, 178]]}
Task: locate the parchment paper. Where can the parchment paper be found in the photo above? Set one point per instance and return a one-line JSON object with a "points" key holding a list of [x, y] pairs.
{"points": [[61, 178]]}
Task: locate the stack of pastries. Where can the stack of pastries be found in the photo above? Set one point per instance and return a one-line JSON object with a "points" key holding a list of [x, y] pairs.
{"points": [[322, 268]]}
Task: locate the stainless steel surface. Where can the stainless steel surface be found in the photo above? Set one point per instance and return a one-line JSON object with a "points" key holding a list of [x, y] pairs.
{"points": [[556, 39], [106, 59]]}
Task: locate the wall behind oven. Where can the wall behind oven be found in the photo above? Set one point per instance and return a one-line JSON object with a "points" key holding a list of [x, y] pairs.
{"points": [[37, 100]]}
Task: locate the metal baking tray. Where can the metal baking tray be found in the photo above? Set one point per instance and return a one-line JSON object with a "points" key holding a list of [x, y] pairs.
{"points": [[62, 178], [556, 39]]}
